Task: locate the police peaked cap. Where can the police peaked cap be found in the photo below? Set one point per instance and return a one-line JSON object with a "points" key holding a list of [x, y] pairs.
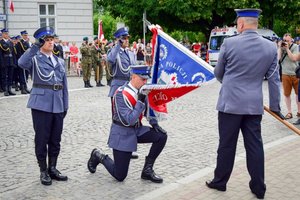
{"points": [[4, 30], [143, 71], [24, 32], [121, 32], [44, 32], [248, 12]]}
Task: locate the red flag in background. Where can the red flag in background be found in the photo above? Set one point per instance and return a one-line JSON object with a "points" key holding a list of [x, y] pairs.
{"points": [[11, 5], [100, 31]]}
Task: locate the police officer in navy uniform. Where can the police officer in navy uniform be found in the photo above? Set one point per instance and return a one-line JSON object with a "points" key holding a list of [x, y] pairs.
{"points": [[120, 59], [127, 131], [48, 101], [8, 56], [21, 47], [244, 61], [58, 50]]}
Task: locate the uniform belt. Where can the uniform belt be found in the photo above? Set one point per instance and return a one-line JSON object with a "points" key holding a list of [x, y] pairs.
{"points": [[136, 125], [121, 78], [53, 87]]}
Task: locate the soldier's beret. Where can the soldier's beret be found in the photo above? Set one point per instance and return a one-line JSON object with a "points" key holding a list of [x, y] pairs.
{"points": [[44, 32], [85, 39], [121, 32], [143, 71], [24, 32], [18, 37], [4, 30], [96, 38]]}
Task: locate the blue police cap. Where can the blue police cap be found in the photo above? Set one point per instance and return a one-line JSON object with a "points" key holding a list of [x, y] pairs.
{"points": [[248, 12], [18, 37], [4, 30], [24, 32], [143, 71], [13, 38], [121, 32], [297, 39], [44, 32]]}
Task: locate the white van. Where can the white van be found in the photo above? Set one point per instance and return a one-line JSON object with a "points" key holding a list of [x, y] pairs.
{"points": [[218, 35]]}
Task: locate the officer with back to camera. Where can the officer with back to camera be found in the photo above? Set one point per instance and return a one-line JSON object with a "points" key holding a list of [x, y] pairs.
{"points": [[127, 131], [48, 101], [120, 59], [243, 63]]}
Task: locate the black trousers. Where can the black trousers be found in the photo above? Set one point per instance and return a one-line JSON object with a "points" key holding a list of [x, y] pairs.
{"points": [[229, 127], [118, 167], [48, 129], [6, 76]]}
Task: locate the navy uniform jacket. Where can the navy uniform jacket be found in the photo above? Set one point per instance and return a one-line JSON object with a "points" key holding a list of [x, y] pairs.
{"points": [[120, 77], [48, 100], [7, 53], [243, 63], [21, 47], [124, 137]]}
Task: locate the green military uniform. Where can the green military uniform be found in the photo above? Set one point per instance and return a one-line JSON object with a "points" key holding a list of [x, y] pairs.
{"points": [[86, 62], [96, 62], [108, 68]]}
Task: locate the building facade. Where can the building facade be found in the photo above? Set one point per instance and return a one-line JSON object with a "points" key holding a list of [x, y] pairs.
{"points": [[71, 19]]}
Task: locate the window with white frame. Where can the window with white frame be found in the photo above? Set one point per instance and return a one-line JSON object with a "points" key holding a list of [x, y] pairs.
{"points": [[47, 15]]}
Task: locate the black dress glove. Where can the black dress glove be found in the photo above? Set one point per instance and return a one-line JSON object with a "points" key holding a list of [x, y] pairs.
{"points": [[121, 41], [141, 97], [279, 114], [159, 129], [39, 42]]}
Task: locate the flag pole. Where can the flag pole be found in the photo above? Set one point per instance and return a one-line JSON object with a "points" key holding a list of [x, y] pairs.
{"points": [[285, 122]]}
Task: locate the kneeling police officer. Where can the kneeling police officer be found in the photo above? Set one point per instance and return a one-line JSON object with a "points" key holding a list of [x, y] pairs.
{"points": [[127, 131]]}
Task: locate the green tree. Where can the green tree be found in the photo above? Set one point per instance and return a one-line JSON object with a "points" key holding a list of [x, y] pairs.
{"points": [[200, 15]]}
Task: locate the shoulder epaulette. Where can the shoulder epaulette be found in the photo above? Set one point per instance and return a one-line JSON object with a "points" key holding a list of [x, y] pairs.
{"points": [[267, 38]]}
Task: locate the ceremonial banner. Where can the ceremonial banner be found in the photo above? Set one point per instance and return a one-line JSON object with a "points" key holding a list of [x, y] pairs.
{"points": [[176, 71], [100, 31]]}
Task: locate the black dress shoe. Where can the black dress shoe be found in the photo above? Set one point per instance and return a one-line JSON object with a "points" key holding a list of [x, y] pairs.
{"points": [[56, 175], [259, 196], [297, 122], [213, 186], [45, 178]]}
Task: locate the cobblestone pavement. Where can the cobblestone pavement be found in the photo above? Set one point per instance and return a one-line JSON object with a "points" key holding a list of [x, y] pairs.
{"points": [[191, 145]]}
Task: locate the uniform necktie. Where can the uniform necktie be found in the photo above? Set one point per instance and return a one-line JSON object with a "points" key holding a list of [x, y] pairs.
{"points": [[50, 60]]}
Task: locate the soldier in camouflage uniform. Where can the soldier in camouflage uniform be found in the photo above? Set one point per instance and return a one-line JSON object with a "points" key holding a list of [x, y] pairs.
{"points": [[86, 62], [96, 62]]}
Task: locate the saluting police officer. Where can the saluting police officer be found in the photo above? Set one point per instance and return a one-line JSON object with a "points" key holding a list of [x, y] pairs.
{"points": [[48, 101], [86, 62], [244, 61], [7, 64], [57, 49], [120, 59], [127, 131], [21, 47]]}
